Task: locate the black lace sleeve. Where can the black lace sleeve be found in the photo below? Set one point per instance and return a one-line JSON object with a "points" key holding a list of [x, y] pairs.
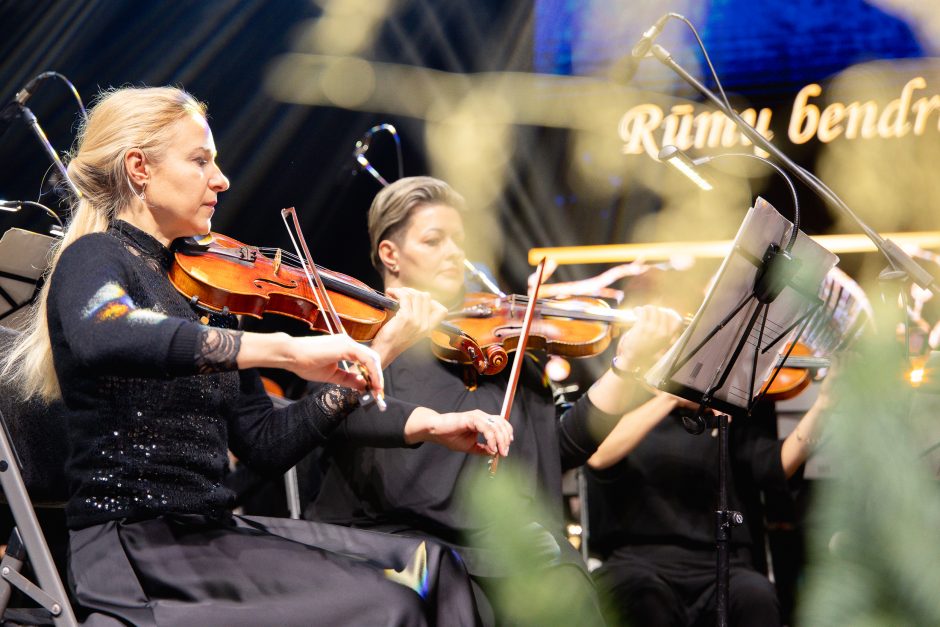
{"points": [[217, 350], [335, 401]]}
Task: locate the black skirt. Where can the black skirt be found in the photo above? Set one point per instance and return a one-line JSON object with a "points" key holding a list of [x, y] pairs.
{"points": [[243, 570]]}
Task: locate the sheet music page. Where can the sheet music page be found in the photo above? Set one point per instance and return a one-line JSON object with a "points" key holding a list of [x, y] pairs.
{"points": [[23, 254], [762, 226]]}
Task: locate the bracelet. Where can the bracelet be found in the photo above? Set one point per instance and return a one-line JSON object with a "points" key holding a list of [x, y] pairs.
{"points": [[624, 373]]}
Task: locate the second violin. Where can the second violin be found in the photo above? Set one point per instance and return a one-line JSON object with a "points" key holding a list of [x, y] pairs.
{"points": [[571, 327]]}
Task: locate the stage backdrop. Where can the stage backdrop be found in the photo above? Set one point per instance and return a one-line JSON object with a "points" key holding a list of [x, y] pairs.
{"points": [[564, 157]]}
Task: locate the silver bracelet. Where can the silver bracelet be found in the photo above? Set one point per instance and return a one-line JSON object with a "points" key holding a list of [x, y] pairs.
{"points": [[624, 373]]}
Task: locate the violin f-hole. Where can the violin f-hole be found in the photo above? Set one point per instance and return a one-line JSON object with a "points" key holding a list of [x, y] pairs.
{"points": [[507, 330], [292, 285]]}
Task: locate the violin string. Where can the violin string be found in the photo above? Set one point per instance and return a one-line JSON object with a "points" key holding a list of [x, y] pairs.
{"points": [[350, 289], [285, 254], [294, 261], [297, 262], [524, 299]]}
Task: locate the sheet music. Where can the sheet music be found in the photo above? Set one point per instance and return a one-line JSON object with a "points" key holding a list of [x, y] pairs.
{"points": [[23, 254], [762, 226]]}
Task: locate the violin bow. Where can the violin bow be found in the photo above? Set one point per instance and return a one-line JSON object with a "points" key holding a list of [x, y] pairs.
{"points": [[332, 319], [519, 356]]}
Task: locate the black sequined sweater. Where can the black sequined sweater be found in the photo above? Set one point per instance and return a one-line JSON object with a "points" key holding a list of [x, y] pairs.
{"points": [[154, 398]]}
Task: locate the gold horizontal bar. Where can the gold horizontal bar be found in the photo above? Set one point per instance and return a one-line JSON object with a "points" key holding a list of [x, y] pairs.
{"points": [[620, 253]]}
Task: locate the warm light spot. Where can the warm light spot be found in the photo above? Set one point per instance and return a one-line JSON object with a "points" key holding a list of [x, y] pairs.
{"points": [[348, 82], [557, 369], [916, 376]]}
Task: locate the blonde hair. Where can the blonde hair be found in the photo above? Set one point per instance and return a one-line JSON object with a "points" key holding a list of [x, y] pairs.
{"points": [[392, 208], [121, 120]]}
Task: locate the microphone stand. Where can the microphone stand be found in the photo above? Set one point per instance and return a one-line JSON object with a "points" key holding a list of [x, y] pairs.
{"points": [[41, 136], [899, 260], [765, 291]]}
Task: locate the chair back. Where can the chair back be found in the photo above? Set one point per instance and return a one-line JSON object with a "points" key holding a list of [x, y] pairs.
{"points": [[38, 435]]}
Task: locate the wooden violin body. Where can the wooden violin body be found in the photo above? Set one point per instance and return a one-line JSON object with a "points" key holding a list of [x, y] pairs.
{"points": [[228, 276], [795, 375], [496, 322], [231, 277]]}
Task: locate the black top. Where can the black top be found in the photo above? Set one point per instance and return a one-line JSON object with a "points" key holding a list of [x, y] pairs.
{"points": [[666, 490], [414, 489], [152, 395]]}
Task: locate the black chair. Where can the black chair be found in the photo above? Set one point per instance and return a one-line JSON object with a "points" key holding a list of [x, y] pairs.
{"points": [[32, 453]]}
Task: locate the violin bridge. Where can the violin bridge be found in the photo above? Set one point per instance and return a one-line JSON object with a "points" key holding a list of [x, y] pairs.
{"points": [[277, 260]]}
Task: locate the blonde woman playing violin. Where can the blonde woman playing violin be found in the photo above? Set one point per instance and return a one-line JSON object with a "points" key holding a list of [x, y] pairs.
{"points": [[154, 399]]}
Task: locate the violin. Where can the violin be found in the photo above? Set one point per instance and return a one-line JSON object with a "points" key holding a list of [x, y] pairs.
{"points": [[574, 326], [221, 274], [796, 373], [579, 326]]}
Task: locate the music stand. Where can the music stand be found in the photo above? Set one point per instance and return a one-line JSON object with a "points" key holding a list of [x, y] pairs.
{"points": [[764, 294], [23, 260]]}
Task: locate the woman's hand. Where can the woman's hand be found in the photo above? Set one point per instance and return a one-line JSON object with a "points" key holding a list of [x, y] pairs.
{"points": [[638, 348], [317, 359], [313, 358], [654, 329], [460, 431], [418, 314]]}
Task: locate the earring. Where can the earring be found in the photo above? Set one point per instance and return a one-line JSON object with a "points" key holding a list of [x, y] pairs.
{"points": [[140, 194], [394, 269]]}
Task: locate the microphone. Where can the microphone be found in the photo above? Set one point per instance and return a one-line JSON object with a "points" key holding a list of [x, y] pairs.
{"points": [[27, 92], [642, 47], [11, 110], [362, 145]]}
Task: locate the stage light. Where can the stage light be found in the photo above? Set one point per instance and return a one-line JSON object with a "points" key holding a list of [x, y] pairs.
{"points": [[672, 156], [655, 251]]}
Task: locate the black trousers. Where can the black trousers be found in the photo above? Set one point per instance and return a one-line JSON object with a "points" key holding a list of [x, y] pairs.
{"points": [[671, 586], [241, 570]]}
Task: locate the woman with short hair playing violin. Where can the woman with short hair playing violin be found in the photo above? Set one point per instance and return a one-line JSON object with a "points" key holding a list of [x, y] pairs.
{"points": [[416, 231]]}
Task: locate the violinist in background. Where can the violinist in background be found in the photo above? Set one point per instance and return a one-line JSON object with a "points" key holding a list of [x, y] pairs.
{"points": [[653, 492], [416, 232], [154, 399]]}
